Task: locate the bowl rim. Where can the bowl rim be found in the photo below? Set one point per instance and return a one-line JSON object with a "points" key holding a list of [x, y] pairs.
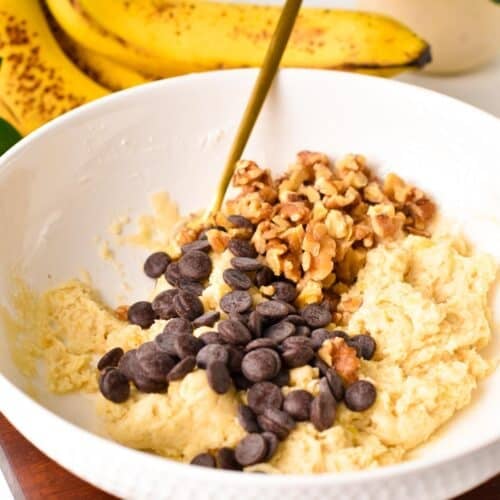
{"points": [[379, 473]]}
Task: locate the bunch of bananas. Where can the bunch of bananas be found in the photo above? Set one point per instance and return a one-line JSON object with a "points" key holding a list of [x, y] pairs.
{"points": [[58, 54]]}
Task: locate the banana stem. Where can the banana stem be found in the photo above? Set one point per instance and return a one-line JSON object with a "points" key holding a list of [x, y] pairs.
{"points": [[261, 87]]}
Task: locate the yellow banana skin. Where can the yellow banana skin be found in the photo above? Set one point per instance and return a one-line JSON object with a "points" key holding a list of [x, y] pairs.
{"points": [[198, 36], [107, 72], [88, 35], [101, 69], [7, 115], [37, 81]]}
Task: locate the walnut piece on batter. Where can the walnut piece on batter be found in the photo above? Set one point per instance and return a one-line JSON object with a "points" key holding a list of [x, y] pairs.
{"points": [[337, 353], [315, 223]]}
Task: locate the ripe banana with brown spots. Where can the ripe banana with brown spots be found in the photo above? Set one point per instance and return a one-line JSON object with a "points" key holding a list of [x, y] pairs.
{"points": [[37, 80], [167, 37]]}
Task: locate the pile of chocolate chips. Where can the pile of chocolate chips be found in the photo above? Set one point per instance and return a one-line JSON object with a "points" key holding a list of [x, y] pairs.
{"points": [[252, 350]]}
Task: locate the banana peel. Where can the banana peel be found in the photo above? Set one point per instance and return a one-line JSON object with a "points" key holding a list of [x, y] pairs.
{"points": [[88, 35], [198, 36], [101, 69], [37, 80]]}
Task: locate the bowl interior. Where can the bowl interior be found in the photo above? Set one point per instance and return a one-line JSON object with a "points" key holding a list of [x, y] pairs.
{"points": [[62, 187]]}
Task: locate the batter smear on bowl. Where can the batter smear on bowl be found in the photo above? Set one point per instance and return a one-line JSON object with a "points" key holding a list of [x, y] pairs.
{"points": [[313, 325]]}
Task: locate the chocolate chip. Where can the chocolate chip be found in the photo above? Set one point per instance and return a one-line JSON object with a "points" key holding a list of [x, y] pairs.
{"points": [[163, 304], [296, 341], [323, 409], [341, 334], [148, 385], [272, 444], [298, 404], [264, 395], [166, 343], [241, 382], [261, 364], [178, 326], [128, 364], [364, 344], [211, 338], [291, 308], [264, 276], [188, 345], [251, 450], [173, 273], [256, 323], [181, 369], [282, 379], [276, 421], [130, 367], [246, 264], [302, 330], [296, 319], [324, 386], [240, 221], [336, 384], [156, 264], [297, 356], [187, 305], [259, 343], [321, 365], [218, 377], [247, 419], [155, 363], [317, 315], [142, 314], [241, 317], [360, 395], [111, 358], [319, 336], [203, 460], [207, 319], [114, 385], [237, 280], [283, 290], [195, 265], [200, 245], [236, 354], [234, 332], [241, 248], [226, 459], [272, 309], [194, 287], [279, 331], [236, 302], [211, 353]]}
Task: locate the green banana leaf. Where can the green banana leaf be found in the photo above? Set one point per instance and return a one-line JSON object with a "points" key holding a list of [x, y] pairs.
{"points": [[8, 136]]}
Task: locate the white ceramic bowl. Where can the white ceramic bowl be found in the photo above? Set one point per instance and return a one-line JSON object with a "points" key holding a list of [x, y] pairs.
{"points": [[62, 186]]}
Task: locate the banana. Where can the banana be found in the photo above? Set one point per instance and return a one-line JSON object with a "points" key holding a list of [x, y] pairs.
{"points": [[197, 36], [6, 114], [101, 69], [37, 81], [107, 72], [88, 35]]}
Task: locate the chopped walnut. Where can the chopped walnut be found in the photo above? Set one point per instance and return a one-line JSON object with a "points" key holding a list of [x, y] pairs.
{"points": [[121, 312], [337, 353], [186, 235], [218, 240], [315, 223], [247, 172]]}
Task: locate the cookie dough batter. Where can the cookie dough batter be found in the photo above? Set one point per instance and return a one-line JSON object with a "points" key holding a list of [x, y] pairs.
{"points": [[424, 302]]}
